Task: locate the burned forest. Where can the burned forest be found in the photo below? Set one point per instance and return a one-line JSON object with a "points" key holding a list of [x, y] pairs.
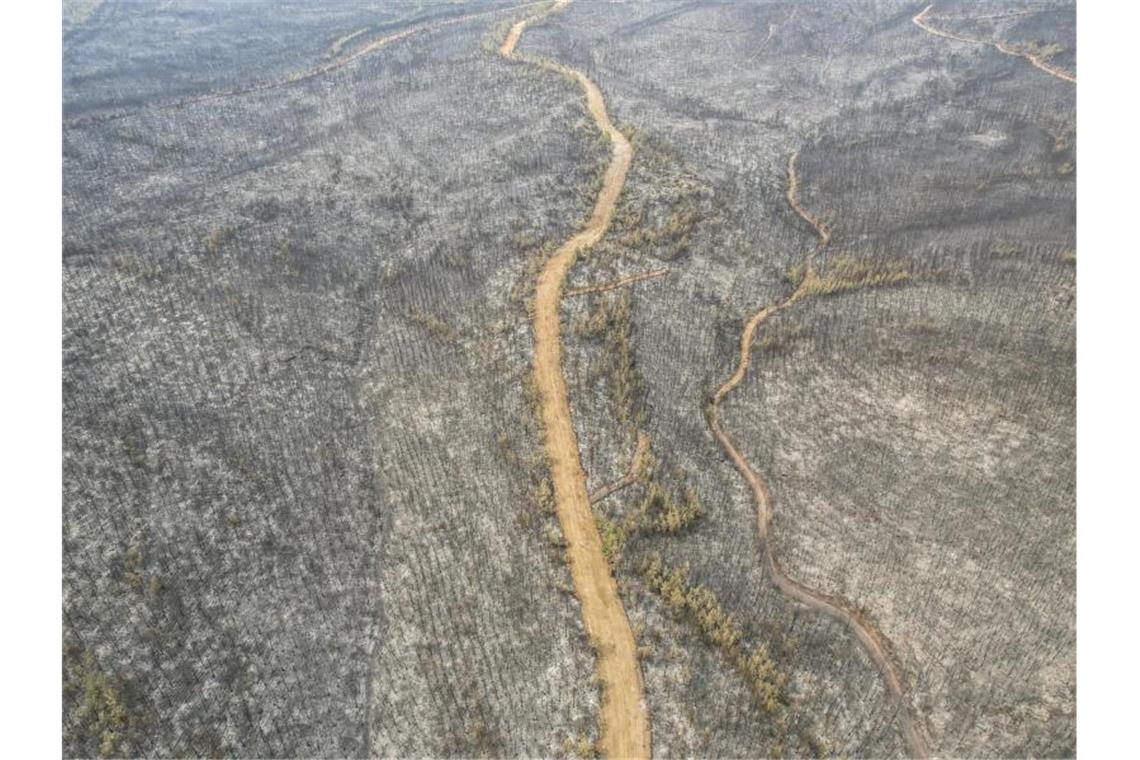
{"points": [[676, 378]]}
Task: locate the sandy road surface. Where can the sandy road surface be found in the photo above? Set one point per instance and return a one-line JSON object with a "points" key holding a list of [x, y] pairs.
{"points": [[624, 719]]}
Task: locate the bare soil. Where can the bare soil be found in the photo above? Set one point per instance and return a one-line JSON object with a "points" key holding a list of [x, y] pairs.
{"points": [[625, 725]]}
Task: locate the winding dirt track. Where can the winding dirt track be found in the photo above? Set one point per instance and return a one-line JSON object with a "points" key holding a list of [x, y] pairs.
{"points": [[873, 641], [923, 23], [624, 722], [632, 279], [793, 196], [630, 477]]}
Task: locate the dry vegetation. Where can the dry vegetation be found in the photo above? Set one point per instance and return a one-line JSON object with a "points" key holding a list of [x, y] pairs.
{"points": [[307, 510]]}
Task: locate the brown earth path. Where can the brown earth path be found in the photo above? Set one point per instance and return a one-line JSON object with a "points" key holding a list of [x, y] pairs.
{"points": [[624, 721], [632, 279], [923, 23], [793, 196], [873, 641], [631, 475]]}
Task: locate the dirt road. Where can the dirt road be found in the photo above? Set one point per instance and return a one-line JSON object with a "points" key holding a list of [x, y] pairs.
{"points": [[923, 22], [793, 196], [624, 719], [873, 641]]}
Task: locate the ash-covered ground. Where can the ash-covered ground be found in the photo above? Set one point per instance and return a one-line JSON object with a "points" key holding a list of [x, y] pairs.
{"points": [[306, 509]]}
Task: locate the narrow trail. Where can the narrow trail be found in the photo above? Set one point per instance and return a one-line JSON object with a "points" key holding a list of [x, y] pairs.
{"points": [[923, 23], [632, 279], [793, 196], [873, 641], [624, 719], [296, 78], [631, 475]]}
